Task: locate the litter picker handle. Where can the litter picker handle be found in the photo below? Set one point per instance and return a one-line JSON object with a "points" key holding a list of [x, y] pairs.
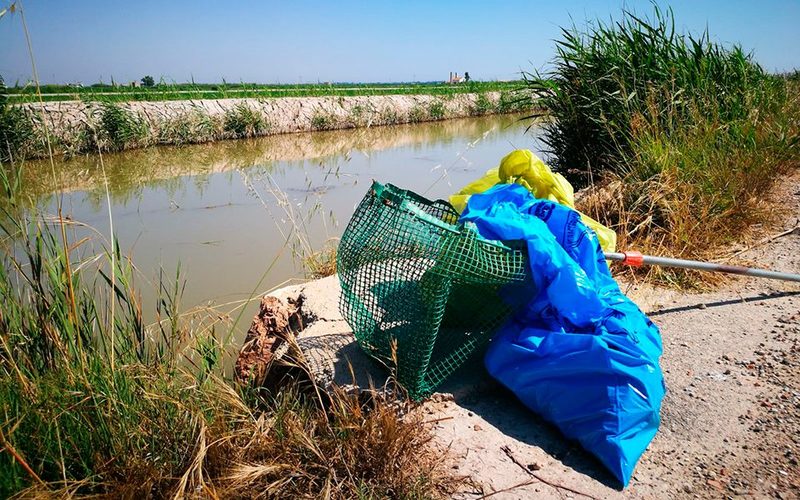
{"points": [[636, 259]]}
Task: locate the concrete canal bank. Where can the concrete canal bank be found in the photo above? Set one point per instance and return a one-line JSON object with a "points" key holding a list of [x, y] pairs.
{"points": [[84, 127]]}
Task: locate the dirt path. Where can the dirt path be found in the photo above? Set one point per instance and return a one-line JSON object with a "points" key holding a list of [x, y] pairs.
{"points": [[730, 420]]}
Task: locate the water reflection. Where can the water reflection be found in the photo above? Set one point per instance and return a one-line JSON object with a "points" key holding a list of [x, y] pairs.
{"points": [[129, 171]]}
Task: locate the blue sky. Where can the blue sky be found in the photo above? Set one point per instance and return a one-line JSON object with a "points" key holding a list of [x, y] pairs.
{"points": [[342, 40]]}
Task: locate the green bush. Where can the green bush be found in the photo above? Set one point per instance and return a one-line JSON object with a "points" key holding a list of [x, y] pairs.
{"points": [[681, 138], [613, 79], [513, 101], [482, 105], [190, 128], [436, 110], [244, 121], [416, 114], [389, 117], [18, 136], [358, 116], [120, 129], [322, 121]]}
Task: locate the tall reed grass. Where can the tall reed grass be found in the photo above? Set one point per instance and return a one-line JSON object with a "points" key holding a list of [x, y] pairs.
{"points": [[243, 121], [17, 130], [95, 401], [683, 137], [120, 129]]}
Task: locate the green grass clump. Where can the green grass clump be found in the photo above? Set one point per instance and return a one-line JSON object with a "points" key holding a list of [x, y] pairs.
{"points": [[190, 128], [514, 101], [359, 115], [17, 133], [119, 128], [483, 105], [436, 110], [321, 120], [357, 112], [389, 116], [686, 135], [321, 263], [84, 396], [417, 114], [18, 137], [243, 121]]}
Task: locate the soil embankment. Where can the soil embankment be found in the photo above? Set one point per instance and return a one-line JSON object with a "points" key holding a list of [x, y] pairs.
{"points": [[84, 127]]}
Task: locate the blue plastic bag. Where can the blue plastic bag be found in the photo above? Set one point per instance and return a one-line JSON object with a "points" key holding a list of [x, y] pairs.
{"points": [[580, 353]]}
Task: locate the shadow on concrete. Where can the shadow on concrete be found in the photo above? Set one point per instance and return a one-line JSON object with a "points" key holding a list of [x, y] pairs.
{"points": [[475, 390], [338, 358]]}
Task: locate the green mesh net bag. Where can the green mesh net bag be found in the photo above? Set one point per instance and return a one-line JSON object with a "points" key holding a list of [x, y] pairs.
{"points": [[420, 291]]}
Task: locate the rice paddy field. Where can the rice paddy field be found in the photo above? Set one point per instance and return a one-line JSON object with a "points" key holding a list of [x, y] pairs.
{"points": [[21, 93]]}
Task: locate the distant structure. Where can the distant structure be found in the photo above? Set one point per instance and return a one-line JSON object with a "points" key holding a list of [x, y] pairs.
{"points": [[454, 78]]}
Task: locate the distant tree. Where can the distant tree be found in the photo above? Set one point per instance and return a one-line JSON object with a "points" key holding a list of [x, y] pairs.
{"points": [[466, 76], [148, 81]]}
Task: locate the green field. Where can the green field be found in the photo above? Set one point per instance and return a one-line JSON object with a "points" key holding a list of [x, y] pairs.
{"points": [[177, 91]]}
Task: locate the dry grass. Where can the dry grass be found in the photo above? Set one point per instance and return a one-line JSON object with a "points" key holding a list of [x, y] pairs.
{"points": [[351, 449], [695, 193], [321, 263], [291, 447]]}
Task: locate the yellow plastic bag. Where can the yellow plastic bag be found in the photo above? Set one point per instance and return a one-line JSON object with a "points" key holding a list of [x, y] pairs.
{"points": [[526, 169]]}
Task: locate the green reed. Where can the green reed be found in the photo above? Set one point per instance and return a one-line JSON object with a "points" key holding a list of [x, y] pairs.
{"points": [[685, 136]]}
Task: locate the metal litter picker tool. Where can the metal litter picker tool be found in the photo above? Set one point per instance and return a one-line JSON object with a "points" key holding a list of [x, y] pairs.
{"points": [[636, 259]]}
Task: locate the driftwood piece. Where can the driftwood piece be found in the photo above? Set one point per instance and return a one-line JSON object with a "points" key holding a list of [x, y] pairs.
{"points": [[270, 337]]}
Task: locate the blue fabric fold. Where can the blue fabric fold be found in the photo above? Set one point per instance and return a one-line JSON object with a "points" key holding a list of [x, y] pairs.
{"points": [[580, 353]]}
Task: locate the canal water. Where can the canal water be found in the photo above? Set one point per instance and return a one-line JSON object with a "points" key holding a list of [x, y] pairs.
{"points": [[238, 216]]}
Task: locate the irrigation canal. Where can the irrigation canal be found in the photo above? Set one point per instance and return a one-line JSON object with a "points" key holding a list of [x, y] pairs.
{"points": [[235, 214]]}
